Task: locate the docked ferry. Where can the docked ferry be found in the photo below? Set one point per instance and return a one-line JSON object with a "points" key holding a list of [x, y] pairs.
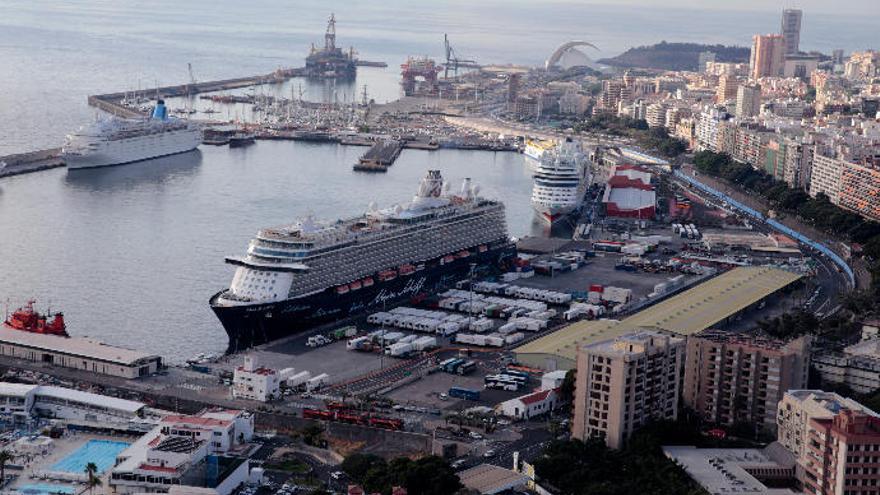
{"points": [[294, 277], [561, 180], [116, 141]]}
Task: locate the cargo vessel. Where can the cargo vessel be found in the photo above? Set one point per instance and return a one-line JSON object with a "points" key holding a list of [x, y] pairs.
{"points": [[298, 276]]}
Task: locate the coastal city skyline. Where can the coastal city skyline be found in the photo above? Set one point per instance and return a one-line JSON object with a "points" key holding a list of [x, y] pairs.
{"points": [[518, 248]]}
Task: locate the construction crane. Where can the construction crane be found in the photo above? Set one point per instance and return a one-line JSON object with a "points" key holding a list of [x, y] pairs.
{"points": [[453, 61]]}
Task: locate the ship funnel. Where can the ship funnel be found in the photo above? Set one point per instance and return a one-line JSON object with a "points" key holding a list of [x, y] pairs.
{"points": [[160, 112], [466, 188], [431, 186]]}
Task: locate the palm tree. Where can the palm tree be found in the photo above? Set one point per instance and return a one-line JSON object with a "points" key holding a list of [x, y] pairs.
{"points": [[5, 456], [92, 472]]}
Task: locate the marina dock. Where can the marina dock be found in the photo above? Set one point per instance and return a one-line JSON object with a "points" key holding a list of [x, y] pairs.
{"points": [[380, 156]]}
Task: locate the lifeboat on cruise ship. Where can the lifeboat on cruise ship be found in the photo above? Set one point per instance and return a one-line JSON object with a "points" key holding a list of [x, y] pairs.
{"points": [[356, 285], [420, 267], [407, 269], [483, 248], [27, 319], [368, 282], [342, 289], [447, 259], [463, 254], [387, 275]]}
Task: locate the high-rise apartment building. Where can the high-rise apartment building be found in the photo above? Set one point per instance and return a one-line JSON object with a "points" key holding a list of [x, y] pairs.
{"points": [[624, 383], [704, 59], [799, 407], [863, 65], [825, 177], [727, 88], [655, 114], [791, 29], [842, 455], [748, 101], [768, 55], [860, 190], [731, 378]]}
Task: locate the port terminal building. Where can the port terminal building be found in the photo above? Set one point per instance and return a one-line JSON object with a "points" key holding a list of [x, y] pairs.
{"points": [[77, 353], [711, 304], [19, 402]]}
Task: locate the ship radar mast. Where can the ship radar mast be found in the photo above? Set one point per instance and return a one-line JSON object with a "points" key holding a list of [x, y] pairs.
{"points": [[330, 35]]}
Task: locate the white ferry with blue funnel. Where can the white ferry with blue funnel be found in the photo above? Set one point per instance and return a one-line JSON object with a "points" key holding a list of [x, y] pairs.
{"points": [[298, 276], [116, 141]]}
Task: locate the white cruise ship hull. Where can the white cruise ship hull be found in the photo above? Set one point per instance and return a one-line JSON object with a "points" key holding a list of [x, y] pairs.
{"points": [[134, 149], [552, 213]]}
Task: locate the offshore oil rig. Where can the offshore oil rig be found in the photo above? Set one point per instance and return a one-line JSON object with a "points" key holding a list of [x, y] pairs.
{"points": [[419, 76], [331, 62]]}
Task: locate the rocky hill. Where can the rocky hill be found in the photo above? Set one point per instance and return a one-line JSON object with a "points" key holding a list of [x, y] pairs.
{"points": [[675, 56]]}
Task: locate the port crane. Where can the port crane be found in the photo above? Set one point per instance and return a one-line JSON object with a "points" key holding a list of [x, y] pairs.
{"points": [[452, 60]]}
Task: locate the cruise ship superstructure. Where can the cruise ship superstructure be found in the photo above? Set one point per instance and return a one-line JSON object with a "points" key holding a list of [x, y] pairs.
{"points": [[560, 181], [535, 149], [298, 276], [116, 141]]}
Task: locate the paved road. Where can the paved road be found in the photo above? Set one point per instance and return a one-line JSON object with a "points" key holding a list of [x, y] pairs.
{"points": [[498, 126]]}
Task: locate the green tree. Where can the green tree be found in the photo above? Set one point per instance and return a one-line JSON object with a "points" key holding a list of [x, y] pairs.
{"points": [[566, 390], [429, 475], [588, 468], [356, 466], [91, 471], [5, 457]]}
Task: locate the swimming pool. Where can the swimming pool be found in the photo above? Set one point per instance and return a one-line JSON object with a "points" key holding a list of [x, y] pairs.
{"points": [[44, 489], [102, 452]]}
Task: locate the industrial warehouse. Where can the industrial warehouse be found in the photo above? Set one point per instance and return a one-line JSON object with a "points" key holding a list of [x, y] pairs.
{"points": [[77, 353], [707, 305]]}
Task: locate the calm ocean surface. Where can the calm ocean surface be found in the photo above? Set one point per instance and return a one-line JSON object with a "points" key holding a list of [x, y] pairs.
{"points": [[132, 253]]}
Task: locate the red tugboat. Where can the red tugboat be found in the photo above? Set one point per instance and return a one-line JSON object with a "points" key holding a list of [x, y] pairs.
{"points": [[29, 320]]}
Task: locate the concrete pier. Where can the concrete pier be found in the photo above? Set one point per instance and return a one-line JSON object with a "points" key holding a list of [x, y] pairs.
{"points": [[111, 102], [34, 161], [380, 156]]}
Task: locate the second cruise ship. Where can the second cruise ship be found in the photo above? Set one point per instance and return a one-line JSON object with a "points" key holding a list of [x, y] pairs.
{"points": [[560, 181], [117, 141], [297, 276]]}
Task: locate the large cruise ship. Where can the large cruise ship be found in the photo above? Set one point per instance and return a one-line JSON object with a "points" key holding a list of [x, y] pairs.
{"points": [[560, 181], [297, 276], [116, 141]]}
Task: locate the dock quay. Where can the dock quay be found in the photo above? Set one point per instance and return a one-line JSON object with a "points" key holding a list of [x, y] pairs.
{"points": [[380, 156], [367, 63], [33, 161], [112, 102]]}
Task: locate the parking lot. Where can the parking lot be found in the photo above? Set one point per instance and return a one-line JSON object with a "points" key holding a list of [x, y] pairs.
{"points": [[600, 271]]}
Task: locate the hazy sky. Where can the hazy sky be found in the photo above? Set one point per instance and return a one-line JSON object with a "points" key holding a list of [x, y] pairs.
{"points": [[811, 7]]}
